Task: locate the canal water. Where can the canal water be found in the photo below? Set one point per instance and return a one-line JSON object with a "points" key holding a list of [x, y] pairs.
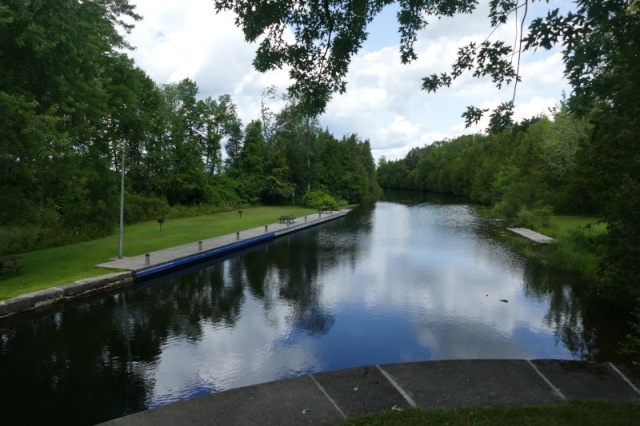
{"points": [[414, 277]]}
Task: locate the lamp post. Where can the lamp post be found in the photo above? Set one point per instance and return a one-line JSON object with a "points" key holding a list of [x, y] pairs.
{"points": [[120, 256]]}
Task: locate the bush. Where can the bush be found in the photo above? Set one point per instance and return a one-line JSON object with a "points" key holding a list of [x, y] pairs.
{"points": [[140, 208], [317, 199], [533, 218], [26, 238], [226, 193]]}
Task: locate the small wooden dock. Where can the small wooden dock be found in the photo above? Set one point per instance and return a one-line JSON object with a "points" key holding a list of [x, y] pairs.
{"points": [[531, 235]]}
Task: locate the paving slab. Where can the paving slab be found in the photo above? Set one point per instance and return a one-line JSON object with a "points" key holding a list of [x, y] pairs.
{"points": [[466, 383], [587, 380], [632, 374], [329, 398], [531, 235], [292, 402], [199, 248], [360, 391]]}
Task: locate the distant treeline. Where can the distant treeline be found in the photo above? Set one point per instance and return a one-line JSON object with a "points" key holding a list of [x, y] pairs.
{"points": [[71, 102], [536, 166], [539, 167]]}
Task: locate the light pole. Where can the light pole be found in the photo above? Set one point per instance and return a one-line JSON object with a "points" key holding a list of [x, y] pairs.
{"points": [[122, 206]]}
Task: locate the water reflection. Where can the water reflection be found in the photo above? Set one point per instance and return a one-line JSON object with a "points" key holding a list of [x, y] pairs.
{"points": [[410, 278]]}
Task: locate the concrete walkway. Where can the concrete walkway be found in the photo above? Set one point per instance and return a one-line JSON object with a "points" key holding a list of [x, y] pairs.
{"points": [[212, 246], [158, 262], [531, 235], [332, 397]]}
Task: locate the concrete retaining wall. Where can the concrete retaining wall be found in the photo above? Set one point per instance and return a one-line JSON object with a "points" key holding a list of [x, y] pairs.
{"points": [[65, 292]]}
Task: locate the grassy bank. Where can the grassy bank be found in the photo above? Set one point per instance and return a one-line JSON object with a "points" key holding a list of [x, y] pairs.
{"points": [[576, 248], [47, 268], [569, 413]]}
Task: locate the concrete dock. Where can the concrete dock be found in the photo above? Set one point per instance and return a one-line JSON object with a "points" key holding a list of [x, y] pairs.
{"points": [[332, 397], [531, 235], [158, 262], [171, 258]]}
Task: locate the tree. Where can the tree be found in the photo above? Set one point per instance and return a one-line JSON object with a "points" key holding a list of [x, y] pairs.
{"points": [[252, 161], [56, 60], [599, 40], [296, 135], [328, 34]]}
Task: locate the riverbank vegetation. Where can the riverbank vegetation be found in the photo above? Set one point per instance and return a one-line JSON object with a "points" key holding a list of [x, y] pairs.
{"points": [[538, 174], [583, 160], [59, 265], [574, 251], [568, 413], [77, 114], [75, 111]]}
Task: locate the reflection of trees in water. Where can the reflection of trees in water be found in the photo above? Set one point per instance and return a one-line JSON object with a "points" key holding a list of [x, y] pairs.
{"points": [[291, 269], [94, 360], [565, 311], [61, 367], [181, 306], [407, 197], [589, 332]]}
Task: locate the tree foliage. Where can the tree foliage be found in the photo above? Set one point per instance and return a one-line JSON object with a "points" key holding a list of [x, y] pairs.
{"points": [[599, 42], [530, 167], [328, 34], [72, 102], [56, 86]]}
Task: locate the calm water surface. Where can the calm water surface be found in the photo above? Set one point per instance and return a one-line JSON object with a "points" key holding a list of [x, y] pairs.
{"points": [[415, 278]]}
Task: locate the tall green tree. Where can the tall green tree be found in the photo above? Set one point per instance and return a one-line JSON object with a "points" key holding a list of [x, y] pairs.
{"points": [[182, 180], [55, 62], [599, 41], [296, 135], [252, 161]]}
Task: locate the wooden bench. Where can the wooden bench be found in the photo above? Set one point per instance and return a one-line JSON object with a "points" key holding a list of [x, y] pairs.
{"points": [[325, 209], [286, 218], [9, 262]]}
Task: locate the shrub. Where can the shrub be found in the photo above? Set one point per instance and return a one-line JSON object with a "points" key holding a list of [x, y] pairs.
{"points": [[140, 208], [317, 199], [533, 218]]}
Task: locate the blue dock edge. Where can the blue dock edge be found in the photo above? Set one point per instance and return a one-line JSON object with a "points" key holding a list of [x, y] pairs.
{"points": [[153, 271]]}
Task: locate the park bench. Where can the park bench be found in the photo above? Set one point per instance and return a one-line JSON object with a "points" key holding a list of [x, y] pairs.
{"points": [[9, 262], [325, 209], [286, 218]]}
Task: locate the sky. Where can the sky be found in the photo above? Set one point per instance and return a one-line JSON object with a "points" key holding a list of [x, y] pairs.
{"points": [[384, 103]]}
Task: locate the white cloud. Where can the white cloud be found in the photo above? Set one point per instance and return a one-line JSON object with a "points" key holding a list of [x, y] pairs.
{"points": [[384, 102]]}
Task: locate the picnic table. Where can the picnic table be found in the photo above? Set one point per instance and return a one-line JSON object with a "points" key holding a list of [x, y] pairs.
{"points": [[9, 262], [288, 218]]}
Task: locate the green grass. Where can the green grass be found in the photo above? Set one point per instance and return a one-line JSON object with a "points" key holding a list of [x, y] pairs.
{"points": [[577, 245], [47, 268], [576, 248], [566, 226], [581, 413]]}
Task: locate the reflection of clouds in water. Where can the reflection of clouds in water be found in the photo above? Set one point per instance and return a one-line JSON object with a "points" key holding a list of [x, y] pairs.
{"points": [[449, 287], [249, 353], [423, 285], [467, 340]]}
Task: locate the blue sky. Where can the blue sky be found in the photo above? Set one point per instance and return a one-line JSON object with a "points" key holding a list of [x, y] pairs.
{"points": [[383, 102]]}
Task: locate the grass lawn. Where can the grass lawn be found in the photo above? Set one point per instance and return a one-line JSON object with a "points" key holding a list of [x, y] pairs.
{"points": [[563, 226], [575, 250], [47, 268], [581, 413]]}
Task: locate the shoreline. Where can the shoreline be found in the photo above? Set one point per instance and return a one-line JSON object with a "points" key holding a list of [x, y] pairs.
{"points": [[155, 264]]}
